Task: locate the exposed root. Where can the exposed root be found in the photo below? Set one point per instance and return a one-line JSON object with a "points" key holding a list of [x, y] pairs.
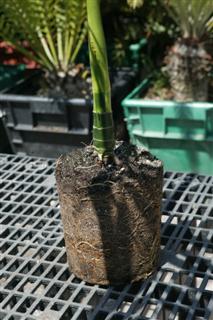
{"points": [[88, 244], [85, 168]]}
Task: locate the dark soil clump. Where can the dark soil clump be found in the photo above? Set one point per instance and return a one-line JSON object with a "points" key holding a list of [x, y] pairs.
{"points": [[111, 214]]}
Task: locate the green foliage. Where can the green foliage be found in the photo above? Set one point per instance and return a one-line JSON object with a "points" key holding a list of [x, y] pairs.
{"points": [[192, 16], [157, 20], [54, 30], [161, 80], [210, 24], [125, 26]]}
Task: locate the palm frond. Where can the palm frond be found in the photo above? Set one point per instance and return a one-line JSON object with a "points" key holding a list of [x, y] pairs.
{"points": [[209, 25], [54, 29], [191, 16]]}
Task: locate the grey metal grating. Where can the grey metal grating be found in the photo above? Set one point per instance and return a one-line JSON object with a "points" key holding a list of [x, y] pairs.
{"points": [[34, 278]]}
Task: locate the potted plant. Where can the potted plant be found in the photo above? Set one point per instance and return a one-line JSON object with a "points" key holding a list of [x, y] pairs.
{"points": [[179, 131], [59, 116], [109, 193]]}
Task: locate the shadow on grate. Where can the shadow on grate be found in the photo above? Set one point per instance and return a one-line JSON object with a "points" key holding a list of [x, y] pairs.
{"points": [[34, 277]]}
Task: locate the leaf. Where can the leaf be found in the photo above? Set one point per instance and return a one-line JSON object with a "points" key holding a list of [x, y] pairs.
{"points": [[54, 29], [190, 15], [210, 25]]}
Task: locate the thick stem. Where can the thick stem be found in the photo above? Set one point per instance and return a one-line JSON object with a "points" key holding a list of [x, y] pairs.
{"points": [[103, 131]]}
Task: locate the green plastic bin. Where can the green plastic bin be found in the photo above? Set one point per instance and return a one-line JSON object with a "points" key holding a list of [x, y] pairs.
{"points": [[9, 75], [180, 134]]}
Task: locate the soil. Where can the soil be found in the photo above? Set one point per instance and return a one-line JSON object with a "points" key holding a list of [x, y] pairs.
{"points": [[111, 213], [154, 93], [75, 84]]}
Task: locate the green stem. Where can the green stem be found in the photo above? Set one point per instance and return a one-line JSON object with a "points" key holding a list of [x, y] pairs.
{"points": [[46, 48], [103, 131], [60, 50]]}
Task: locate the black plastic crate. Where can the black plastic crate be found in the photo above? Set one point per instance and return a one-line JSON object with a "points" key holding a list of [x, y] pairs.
{"points": [[34, 278], [4, 141], [44, 126]]}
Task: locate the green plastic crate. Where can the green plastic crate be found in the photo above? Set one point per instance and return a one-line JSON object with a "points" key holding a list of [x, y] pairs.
{"points": [[9, 75], [180, 134]]}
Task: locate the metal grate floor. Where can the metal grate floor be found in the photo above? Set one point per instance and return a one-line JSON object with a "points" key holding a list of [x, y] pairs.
{"points": [[35, 282]]}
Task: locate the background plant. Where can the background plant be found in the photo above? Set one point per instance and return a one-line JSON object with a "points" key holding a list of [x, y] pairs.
{"points": [[192, 16], [188, 61], [54, 30]]}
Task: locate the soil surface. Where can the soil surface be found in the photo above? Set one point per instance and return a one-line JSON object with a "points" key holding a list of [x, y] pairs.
{"points": [[164, 92], [75, 84], [111, 213]]}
